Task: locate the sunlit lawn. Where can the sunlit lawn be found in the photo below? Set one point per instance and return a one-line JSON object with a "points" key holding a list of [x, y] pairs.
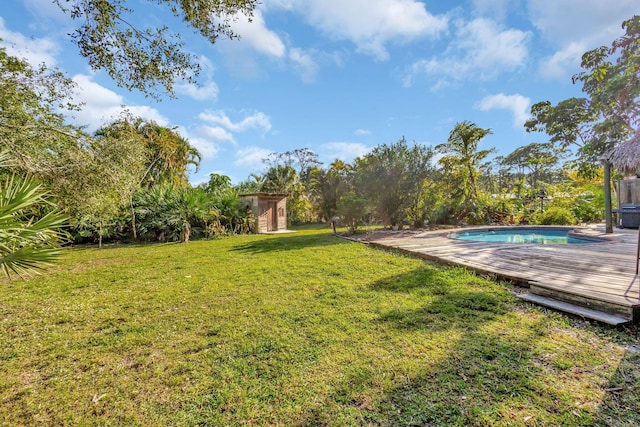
{"points": [[297, 329]]}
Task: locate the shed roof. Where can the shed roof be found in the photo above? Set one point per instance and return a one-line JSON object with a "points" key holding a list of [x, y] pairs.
{"points": [[264, 194]]}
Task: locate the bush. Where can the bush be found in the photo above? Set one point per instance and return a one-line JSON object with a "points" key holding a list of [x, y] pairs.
{"points": [[589, 205], [556, 216], [352, 209]]}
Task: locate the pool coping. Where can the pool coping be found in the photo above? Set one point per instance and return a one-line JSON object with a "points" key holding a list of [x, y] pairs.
{"points": [[593, 236]]}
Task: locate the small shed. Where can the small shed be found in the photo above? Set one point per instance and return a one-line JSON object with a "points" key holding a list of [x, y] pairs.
{"points": [[269, 211]]}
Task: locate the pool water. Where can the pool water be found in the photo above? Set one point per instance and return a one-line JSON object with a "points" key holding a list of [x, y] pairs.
{"points": [[541, 236]]}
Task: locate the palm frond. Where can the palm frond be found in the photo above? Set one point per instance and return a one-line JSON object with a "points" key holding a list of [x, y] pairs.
{"points": [[27, 245]]}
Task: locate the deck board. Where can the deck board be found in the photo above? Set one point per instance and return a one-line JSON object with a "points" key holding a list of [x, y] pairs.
{"points": [[602, 272]]}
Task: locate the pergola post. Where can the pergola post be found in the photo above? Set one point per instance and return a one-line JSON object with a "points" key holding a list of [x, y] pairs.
{"points": [[608, 217]]}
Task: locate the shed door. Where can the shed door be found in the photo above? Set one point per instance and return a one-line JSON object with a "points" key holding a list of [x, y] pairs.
{"points": [[272, 217]]}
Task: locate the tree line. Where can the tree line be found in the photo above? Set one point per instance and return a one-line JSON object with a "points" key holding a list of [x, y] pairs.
{"points": [[128, 180]]}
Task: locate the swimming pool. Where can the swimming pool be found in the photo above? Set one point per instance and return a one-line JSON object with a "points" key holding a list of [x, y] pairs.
{"points": [[537, 235]]}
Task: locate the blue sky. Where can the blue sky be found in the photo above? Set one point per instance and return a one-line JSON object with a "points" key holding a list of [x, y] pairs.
{"points": [[342, 76]]}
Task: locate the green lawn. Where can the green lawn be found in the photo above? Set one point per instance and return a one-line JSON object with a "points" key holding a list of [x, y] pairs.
{"points": [[299, 329]]}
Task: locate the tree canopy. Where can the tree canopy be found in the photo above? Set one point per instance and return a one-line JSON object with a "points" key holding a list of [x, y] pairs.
{"points": [[32, 129], [148, 59], [462, 157], [392, 178], [611, 110]]}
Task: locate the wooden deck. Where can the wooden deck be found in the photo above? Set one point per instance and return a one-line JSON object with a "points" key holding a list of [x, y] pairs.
{"points": [[597, 277]]}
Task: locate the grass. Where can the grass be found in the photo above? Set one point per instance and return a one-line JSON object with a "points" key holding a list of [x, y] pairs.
{"points": [[302, 329]]}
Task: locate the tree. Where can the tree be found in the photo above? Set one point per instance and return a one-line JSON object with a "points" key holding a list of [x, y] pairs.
{"points": [[280, 179], [129, 164], [164, 153], [32, 129], [461, 163], [282, 176], [148, 59], [392, 176], [85, 175], [303, 158], [352, 209], [567, 123], [538, 158], [230, 215], [170, 154], [611, 79], [28, 243], [115, 166], [218, 183], [251, 185], [328, 186]]}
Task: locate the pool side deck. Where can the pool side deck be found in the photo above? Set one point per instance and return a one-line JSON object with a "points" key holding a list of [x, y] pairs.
{"points": [[596, 277]]}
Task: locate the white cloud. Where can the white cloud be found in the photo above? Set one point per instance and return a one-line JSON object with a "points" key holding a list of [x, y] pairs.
{"points": [[304, 62], [98, 95], [481, 49], [257, 120], [371, 24], [496, 9], [201, 141], [207, 149], [362, 132], [206, 92], [566, 21], [251, 157], [593, 23], [47, 10], [517, 104], [256, 35], [345, 151], [35, 50], [102, 105], [564, 63], [216, 133]]}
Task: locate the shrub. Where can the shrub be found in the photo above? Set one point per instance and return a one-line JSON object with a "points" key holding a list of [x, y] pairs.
{"points": [[589, 205], [555, 215], [352, 209]]}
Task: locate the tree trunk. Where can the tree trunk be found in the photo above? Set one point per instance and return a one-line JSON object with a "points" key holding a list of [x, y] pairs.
{"points": [[133, 216], [186, 231]]}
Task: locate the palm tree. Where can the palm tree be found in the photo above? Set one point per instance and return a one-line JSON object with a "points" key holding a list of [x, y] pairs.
{"points": [[27, 244], [461, 154], [171, 154], [461, 162], [280, 179]]}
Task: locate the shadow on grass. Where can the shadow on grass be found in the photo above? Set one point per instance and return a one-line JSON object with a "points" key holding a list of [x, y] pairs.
{"points": [[290, 242], [467, 311], [490, 375], [621, 397], [453, 298], [425, 279]]}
